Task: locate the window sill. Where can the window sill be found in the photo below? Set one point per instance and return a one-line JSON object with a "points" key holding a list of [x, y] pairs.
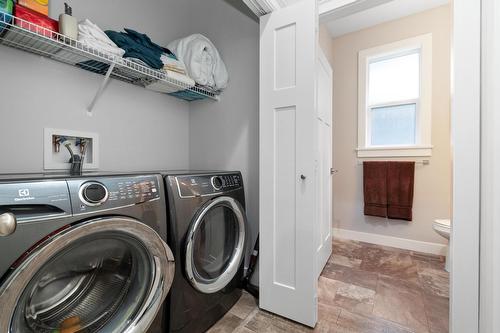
{"points": [[411, 151]]}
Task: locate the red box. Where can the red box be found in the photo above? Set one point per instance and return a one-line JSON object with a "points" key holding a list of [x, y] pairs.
{"points": [[34, 17]]}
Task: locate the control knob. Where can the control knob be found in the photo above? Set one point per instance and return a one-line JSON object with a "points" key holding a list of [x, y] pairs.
{"points": [[217, 183], [93, 194]]}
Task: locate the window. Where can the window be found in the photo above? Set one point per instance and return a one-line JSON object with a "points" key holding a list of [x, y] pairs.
{"points": [[394, 97]]}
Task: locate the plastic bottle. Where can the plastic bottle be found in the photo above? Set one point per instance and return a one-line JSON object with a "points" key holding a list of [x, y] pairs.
{"points": [[68, 25]]}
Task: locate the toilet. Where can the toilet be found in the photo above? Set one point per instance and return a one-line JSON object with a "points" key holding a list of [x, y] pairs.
{"points": [[443, 228]]}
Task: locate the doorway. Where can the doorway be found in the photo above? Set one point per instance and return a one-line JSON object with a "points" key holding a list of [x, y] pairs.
{"points": [[358, 35]]}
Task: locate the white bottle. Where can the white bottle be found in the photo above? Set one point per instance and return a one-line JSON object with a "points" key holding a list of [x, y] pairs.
{"points": [[68, 25]]}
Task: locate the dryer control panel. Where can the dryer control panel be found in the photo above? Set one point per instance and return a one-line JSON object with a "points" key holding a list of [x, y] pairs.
{"points": [[101, 193], [202, 185]]}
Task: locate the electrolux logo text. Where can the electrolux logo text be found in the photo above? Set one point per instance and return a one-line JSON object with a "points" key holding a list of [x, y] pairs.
{"points": [[24, 195]]}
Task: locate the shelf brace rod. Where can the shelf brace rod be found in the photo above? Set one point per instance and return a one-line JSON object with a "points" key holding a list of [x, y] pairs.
{"points": [[99, 92]]}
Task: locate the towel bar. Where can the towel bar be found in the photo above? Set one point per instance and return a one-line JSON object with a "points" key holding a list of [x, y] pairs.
{"points": [[420, 162]]}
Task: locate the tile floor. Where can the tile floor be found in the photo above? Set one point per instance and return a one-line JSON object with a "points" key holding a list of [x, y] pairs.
{"points": [[364, 288]]}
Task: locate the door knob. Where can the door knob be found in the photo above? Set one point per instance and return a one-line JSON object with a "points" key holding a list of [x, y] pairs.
{"points": [[332, 171], [8, 224], [302, 177]]}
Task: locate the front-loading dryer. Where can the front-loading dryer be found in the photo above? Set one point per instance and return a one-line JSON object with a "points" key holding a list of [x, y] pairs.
{"points": [[207, 233], [83, 254]]}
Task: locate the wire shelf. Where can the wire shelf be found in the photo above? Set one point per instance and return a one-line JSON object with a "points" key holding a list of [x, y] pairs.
{"points": [[24, 35]]}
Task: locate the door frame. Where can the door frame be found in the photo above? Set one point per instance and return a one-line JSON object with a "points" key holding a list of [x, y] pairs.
{"points": [[466, 145], [489, 303]]}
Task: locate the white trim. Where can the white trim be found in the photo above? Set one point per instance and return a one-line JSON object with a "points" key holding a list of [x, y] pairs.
{"points": [[327, 6], [330, 10], [397, 103], [424, 110], [490, 182], [466, 132], [407, 151], [400, 243]]}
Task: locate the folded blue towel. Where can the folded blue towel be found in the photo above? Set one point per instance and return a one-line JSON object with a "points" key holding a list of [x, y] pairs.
{"points": [[137, 45], [144, 40]]}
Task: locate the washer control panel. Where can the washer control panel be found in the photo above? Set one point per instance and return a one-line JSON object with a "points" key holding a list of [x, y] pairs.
{"points": [[226, 182], [201, 185], [112, 192]]}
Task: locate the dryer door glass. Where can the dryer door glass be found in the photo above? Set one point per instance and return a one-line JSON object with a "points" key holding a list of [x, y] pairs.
{"points": [[99, 279], [215, 244]]}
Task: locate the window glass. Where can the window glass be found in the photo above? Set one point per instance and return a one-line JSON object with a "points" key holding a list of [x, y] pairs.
{"points": [[393, 125], [394, 79]]}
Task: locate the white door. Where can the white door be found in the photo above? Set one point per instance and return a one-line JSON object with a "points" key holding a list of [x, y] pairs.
{"points": [[324, 161], [288, 279]]}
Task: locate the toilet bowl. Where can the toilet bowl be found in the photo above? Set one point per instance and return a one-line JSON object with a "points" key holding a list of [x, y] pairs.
{"points": [[443, 228]]}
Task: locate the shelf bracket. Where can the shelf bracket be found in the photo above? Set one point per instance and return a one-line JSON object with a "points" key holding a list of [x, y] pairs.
{"points": [[99, 92]]}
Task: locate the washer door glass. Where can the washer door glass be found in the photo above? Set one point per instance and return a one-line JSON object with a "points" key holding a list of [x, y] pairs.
{"points": [[101, 281], [215, 244]]}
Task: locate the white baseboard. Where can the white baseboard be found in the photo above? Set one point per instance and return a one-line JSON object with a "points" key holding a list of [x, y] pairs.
{"points": [[401, 243]]}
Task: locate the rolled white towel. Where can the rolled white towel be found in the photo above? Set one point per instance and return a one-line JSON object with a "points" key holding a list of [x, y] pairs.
{"points": [[203, 62]]}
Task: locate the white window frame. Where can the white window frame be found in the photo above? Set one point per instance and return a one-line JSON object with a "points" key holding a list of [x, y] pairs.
{"points": [[423, 144]]}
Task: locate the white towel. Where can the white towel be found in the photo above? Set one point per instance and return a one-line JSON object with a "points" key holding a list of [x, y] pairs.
{"points": [[183, 82], [91, 35], [170, 62], [202, 60]]}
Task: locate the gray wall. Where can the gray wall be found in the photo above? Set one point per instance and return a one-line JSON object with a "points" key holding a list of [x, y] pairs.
{"points": [[142, 130], [225, 135], [139, 130]]}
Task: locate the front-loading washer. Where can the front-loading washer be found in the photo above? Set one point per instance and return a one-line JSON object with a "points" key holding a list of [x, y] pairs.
{"points": [[83, 254], [207, 234]]}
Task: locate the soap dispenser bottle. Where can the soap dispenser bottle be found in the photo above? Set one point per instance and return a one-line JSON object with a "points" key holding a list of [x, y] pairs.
{"points": [[68, 25]]}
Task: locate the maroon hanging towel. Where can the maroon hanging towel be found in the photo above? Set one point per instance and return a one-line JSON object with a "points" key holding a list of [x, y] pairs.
{"points": [[375, 188], [400, 182]]}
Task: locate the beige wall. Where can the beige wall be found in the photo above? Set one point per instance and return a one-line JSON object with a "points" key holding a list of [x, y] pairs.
{"points": [[432, 195]]}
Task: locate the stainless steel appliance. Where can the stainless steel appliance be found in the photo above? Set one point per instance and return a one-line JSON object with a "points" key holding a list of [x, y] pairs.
{"points": [[83, 254], [207, 233]]}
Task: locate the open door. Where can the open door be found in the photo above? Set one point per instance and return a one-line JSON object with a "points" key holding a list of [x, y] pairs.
{"points": [[324, 161], [288, 140]]}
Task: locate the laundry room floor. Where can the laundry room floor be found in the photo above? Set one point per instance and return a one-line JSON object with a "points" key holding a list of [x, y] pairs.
{"points": [[364, 288]]}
